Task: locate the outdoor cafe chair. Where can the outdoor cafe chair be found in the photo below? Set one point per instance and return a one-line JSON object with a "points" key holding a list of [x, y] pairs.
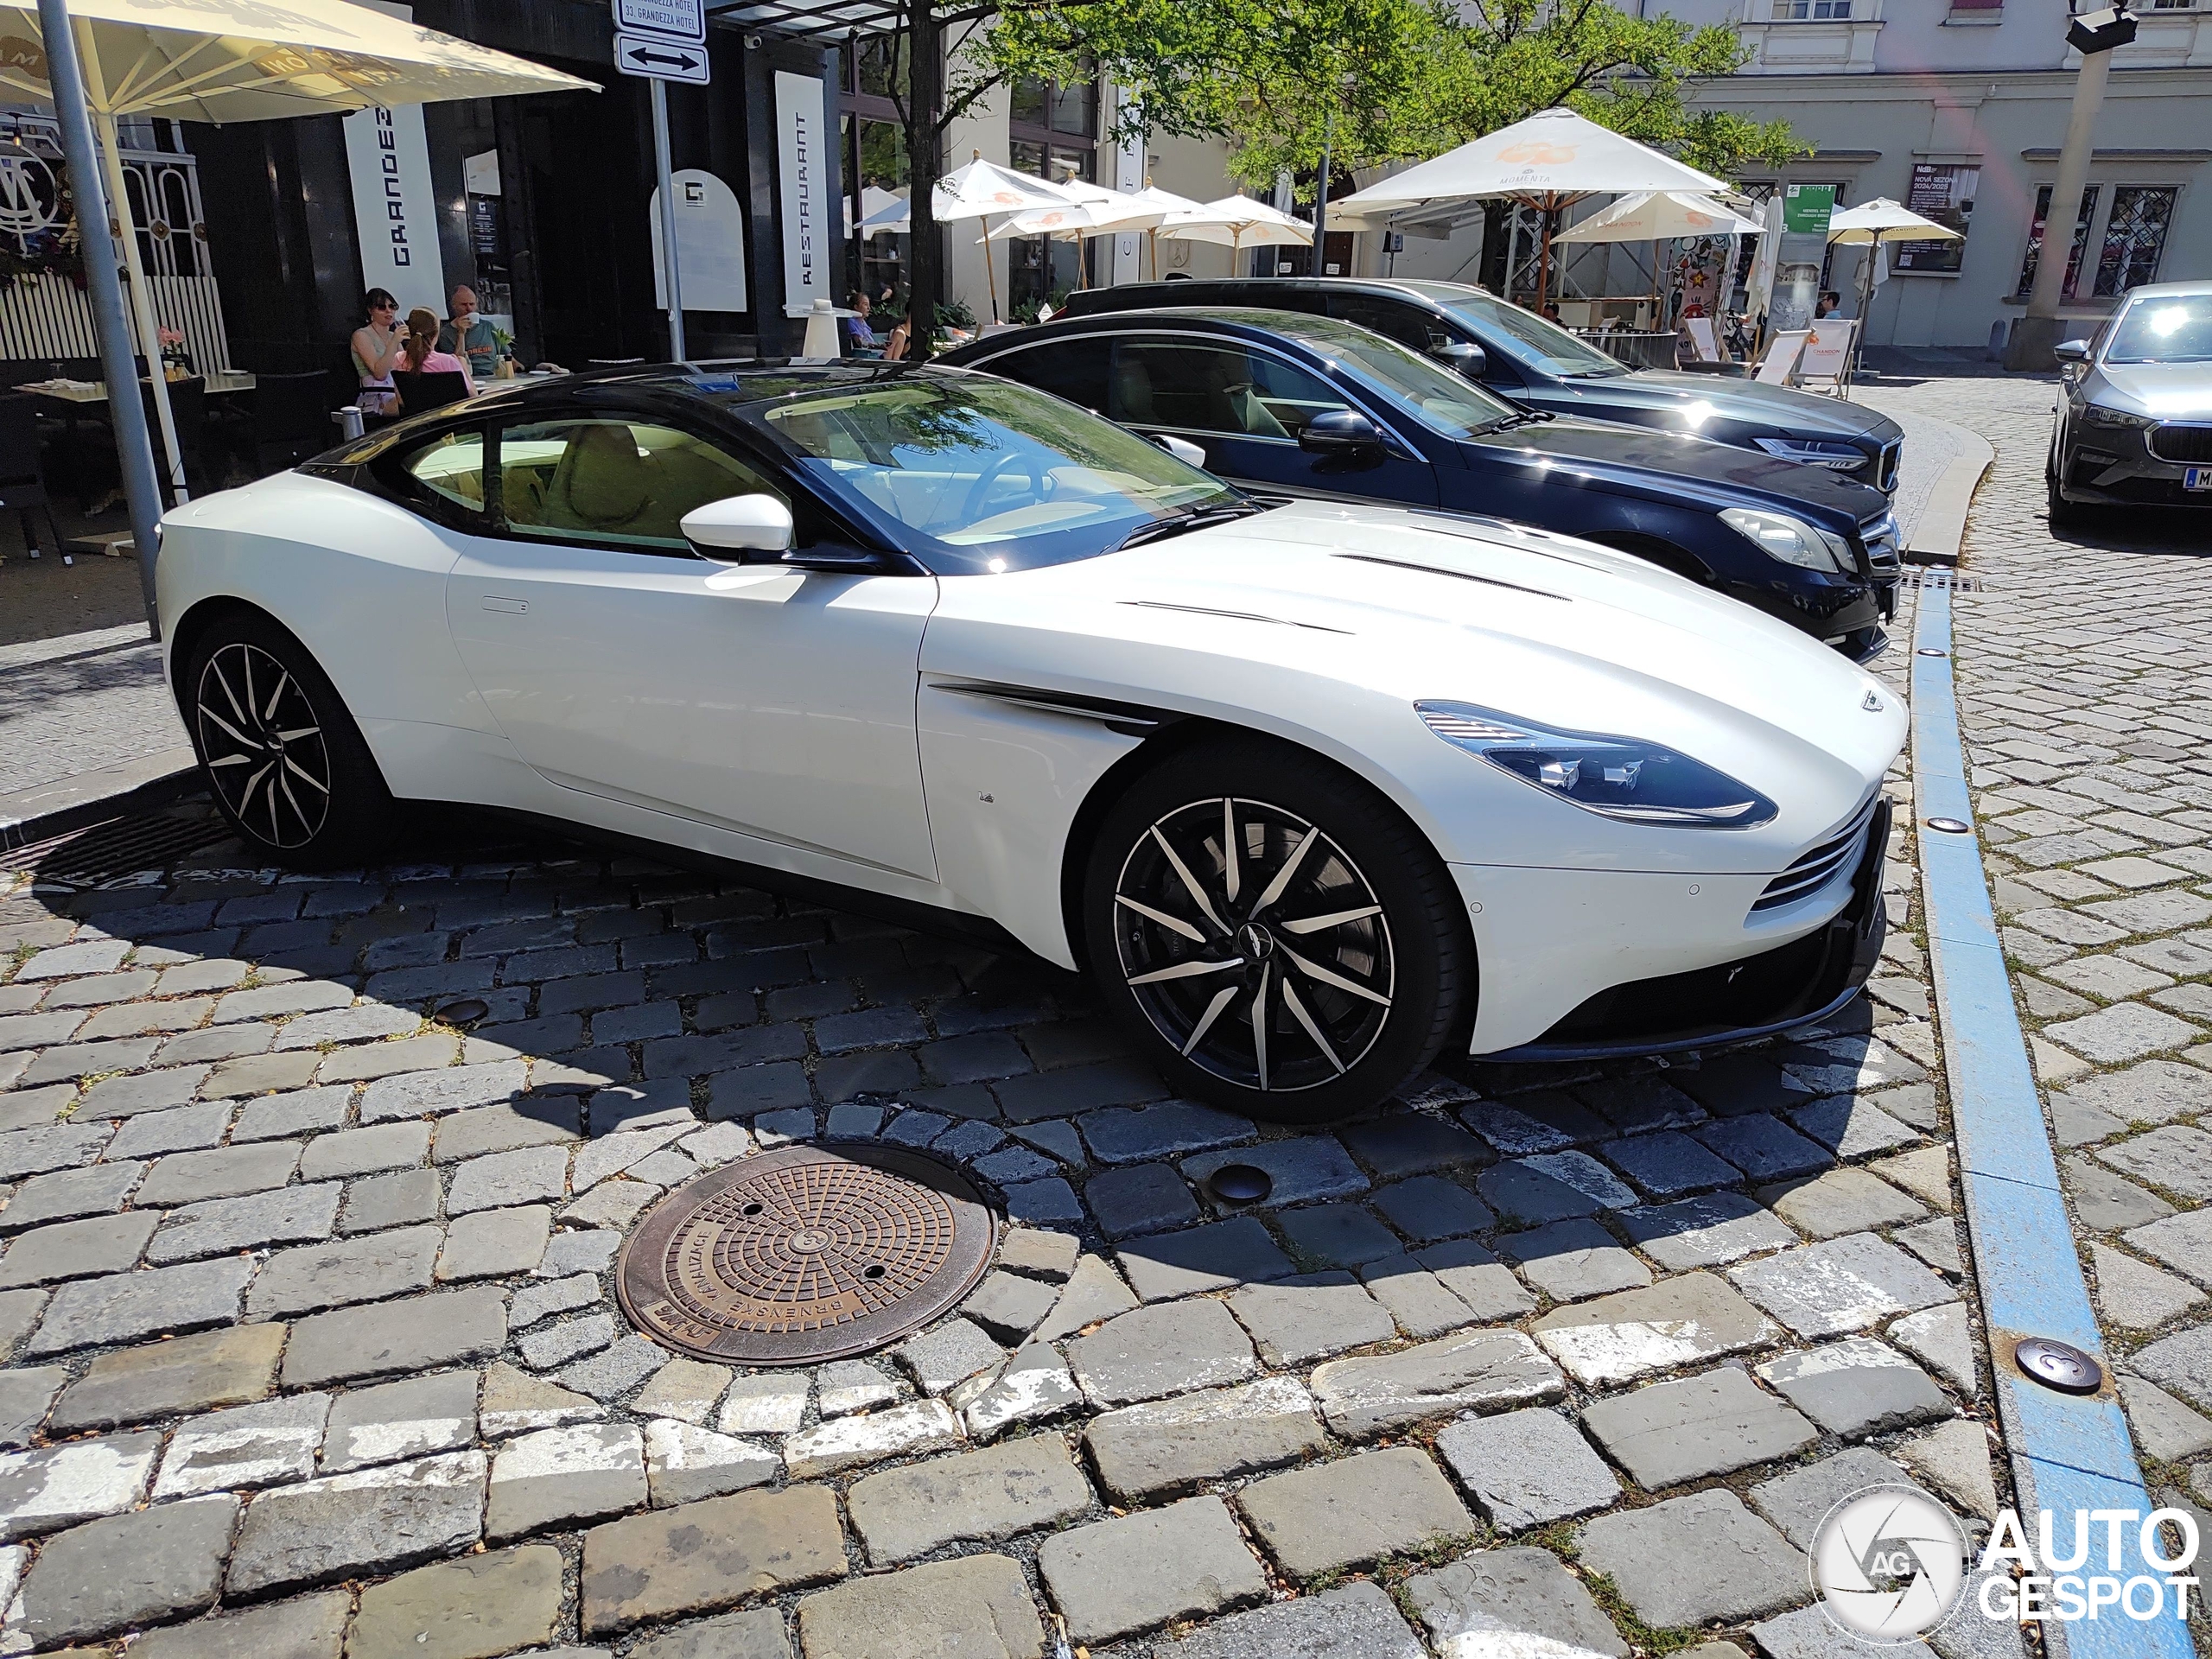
{"points": [[291, 420], [420, 391]]}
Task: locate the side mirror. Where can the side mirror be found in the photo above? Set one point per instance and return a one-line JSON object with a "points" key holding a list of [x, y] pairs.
{"points": [[1340, 432], [2071, 351], [1182, 448], [726, 531], [1465, 356]]}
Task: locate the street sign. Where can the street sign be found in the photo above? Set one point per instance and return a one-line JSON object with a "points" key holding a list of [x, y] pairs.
{"points": [[673, 20], [658, 60]]}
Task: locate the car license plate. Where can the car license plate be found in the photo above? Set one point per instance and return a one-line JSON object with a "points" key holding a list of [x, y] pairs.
{"points": [[2197, 477]]}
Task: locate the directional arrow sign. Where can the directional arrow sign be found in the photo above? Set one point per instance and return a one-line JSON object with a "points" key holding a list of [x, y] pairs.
{"points": [[675, 20], [658, 59]]}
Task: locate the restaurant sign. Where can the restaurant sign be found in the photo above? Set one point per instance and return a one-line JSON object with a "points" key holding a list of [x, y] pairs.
{"points": [[394, 208], [804, 174]]}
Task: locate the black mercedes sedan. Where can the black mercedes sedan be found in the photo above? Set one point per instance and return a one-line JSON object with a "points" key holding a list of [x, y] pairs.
{"points": [[1520, 355], [1303, 405]]}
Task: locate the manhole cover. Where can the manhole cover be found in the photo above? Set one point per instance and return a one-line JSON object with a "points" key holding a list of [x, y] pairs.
{"points": [[804, 1254]]}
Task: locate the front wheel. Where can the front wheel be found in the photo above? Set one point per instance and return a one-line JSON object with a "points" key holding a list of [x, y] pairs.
{"points": [[1276, 936], [2063, 514], [282, 755]]}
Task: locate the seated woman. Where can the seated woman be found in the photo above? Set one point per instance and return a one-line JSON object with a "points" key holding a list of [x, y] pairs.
{"points": [[419, 352], [377, 346], [860, 340]]}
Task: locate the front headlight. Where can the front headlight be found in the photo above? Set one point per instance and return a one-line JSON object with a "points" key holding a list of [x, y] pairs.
{"points": [[2098, 415], [1817, 452], [1791, 540], [1614, 777]]}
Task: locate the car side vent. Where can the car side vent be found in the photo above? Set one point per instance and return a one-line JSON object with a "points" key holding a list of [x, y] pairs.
{"points": [[1814, 870], [1234, 616], [1456, 575]]}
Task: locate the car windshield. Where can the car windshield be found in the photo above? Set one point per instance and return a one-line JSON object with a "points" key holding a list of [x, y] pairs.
{"points": [[1529, 340], [976, 476], [1446, 401], [2163, 329]]}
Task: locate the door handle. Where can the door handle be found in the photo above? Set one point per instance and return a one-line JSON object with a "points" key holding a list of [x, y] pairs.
{"points": [[500, 602]]}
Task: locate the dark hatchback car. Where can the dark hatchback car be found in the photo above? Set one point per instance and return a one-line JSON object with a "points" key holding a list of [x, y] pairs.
{"points": [[1304, 405], [1520, 355]]}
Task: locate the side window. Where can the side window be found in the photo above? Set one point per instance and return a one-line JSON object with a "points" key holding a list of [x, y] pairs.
{"points": [[1208, 388], [444, 476], [1403, 323], [1075, 370], [614, 481]]}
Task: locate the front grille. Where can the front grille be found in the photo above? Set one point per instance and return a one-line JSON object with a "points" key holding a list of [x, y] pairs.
{"points": [[1885, 474], [2179, 441], [1819, 865]]}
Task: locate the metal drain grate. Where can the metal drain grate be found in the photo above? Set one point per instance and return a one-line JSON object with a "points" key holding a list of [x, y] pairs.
{"points": [[1922, 577], [804, 1254], [119, 846]]}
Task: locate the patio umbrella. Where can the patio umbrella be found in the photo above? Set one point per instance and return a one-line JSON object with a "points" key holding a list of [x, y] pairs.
{"points": [[1549, 161], [223, 60], [983, 189], [1657, 217], [1879, 221], [1238, 222], [1096, 212]]}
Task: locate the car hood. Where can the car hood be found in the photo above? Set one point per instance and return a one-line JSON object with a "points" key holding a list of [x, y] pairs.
{"points": [[2170, 392], [1645, 460], [1324, 623], [1696, 401]]}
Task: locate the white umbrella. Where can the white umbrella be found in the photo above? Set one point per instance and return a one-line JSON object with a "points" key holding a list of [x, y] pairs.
{"points": [[1238, 222], [1550, 161], [1759, 299], [883, 213], [224, 60], [983, 189], [1873, 225], [1660, 216]]}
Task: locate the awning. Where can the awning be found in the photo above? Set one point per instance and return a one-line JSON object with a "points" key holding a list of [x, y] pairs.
{"points": [[824, 20]]}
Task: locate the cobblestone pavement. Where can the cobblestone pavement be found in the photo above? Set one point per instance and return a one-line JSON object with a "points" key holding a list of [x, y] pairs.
{"points": [[307, 1300], [80, 684], [2086, 708]]}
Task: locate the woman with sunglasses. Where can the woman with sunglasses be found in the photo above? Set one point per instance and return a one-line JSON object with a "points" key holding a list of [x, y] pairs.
{"points": [[379, 345]]}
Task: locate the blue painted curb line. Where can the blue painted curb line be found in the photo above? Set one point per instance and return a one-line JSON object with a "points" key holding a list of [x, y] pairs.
{"points": [[2069, 1452]]}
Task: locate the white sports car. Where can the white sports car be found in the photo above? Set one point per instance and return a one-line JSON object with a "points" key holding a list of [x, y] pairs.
{"points": [[1311, 788]]}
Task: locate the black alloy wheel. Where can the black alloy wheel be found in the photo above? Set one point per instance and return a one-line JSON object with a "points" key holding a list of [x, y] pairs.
{"points": [[282, 757], [1284, 941]]}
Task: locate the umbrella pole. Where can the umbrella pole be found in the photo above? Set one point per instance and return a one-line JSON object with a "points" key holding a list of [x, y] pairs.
{"points": [[133, 451], [990, 267], [141, 301], [1544, 256]]}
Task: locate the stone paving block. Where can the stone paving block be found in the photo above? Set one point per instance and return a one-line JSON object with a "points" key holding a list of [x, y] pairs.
{"points": [[515, 1402], [1668, 1433], [1940, 1338], [1353, 1512], [1633, 1334], [26, 1395], [58, 1486], [1695, 1559], [187, 1128], [370, 1521], [1338, 1236], [129, 1306], [290, 1214], [2127, 1031], [1218, 1256], [1841, 1285], [1570, 1260], [542, 1301], [311, 1627], [1302, 1171], [1667, 1164], [451, 1089], [1799, 1501], [1094, 1291], [261, 1445], [612, 1204], [1039, 1254], [700, 1558], [1809, 1633], [1354, 1621], [1010, 1306], [1955, 1461], [401, 1199], [2164, 1429], [77, 1249], [1704, 1232], [2136, 1296], [2181, 1364], [1155, 1351], [564, 1477], [1430, 1207], [189, 1374], [407, 1056], [513, 1126], [494, 1244], [578, 1251], [260, 1074], [850, 1442], [2176, 1158], [1043, 1203], [1527, 1468], [422, 1333], [1033, 1386], [19, 1311], [2154, 1091], [1852, 1126], [317, 1276], [1855, 1388], [684, 1463], [978, 1605], [1841, 1201], [982, 1496], [1763, 1147], [1296, 1320], [851, 1385], [1512, 1601], [1478, 1371], [473, 1608], [685, 1389], [950, 1353], [1925, 1173], [60, 1146], [1117, 1578], [1472, 1273], [364, 1152], [1140, 1199], [127, 1571], [772, 1403], [504, 1178], [1849, 1066], [1411, 1143], [1552, 1186], [2105, 1203], [301, 1112], [1168, 1446], [2182, 1241], [392, 1421], [552, 1345]]}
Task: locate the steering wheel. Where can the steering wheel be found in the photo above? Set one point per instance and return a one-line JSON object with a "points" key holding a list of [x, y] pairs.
{"points": [[973, 506]]}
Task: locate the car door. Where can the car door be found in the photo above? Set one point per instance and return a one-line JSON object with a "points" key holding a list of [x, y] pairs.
{"points": [[760, 698], [1245, 405]]}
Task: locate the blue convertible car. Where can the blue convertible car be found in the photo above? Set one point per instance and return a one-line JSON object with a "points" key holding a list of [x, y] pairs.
{"points": [[1289, 403]]}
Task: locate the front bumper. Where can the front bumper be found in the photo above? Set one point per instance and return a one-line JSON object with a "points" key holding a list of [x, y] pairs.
{"points": [[1803, 972], [2122, 466]]}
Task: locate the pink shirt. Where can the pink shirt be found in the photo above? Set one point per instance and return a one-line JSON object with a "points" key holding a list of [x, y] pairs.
{"points": [[443, 363]]}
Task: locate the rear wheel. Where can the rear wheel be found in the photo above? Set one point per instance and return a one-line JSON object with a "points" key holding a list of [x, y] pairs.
{"points": [[283, 758], [1277, 937]]}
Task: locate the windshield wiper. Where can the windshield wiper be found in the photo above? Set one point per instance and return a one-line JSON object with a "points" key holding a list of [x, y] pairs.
{"points": [[1197, 518], [1519, 417]]}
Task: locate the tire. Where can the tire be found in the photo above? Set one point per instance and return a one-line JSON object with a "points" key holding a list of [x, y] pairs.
{"points": [[282, 758], [2063, 514], [1349, 1011]]}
